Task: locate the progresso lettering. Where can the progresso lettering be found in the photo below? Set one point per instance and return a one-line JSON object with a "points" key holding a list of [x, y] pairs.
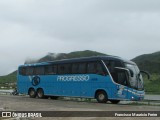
{"points": [[73, 78]]}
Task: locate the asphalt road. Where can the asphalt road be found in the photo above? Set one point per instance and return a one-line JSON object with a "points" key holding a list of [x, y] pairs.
{"points": [[24, 103]]}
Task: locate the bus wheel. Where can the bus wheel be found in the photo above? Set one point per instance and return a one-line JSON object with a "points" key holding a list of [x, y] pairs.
{"points": [[40, 93], [101, 96], [114, 101], [32, 93]]}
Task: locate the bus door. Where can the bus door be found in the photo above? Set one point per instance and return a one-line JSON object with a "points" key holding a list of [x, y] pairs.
{"points": [[120, 77]]}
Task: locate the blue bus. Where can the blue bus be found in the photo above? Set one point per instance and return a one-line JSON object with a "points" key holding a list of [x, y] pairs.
{"points": [[105, 78]]}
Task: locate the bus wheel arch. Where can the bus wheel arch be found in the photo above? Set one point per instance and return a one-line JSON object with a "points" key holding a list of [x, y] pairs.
{"points": [[32, 93], [40, 93], [101, 96]]}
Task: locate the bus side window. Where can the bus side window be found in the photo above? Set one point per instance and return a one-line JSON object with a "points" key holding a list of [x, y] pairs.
{"points": [[51, 69], [64, 69], [54, 69], [92, 68], [111, 66], [117, 75], [67, 68], [74, 68], [22, 71], [39, 70], [82, 68], [96, 68], [100, 70], [122, 78], [29, 70]]}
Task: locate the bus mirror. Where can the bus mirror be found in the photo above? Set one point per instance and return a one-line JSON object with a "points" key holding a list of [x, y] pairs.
{"points": [[145, 72]]}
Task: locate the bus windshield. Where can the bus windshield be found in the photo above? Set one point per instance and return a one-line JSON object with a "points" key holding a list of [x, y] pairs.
{"points": [[136, 80]]}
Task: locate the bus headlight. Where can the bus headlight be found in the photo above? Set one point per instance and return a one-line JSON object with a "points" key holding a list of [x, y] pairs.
{"points": [[132, 98]]}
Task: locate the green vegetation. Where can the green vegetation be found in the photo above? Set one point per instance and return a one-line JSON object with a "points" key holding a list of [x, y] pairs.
{"points": [[146, 103], [8, 81], [9, 78], [152, 86], [149, 62]]}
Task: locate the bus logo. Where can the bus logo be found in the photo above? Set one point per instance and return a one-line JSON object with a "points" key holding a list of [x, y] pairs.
{"points": [[73, 78]]}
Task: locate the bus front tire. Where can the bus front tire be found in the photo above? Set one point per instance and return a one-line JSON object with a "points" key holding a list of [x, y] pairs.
{"points": [[101, 97], [32, 93], [40, 93]]}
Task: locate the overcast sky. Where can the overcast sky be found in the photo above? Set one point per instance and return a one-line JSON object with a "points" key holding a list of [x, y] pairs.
{"points": [[32, 28]]}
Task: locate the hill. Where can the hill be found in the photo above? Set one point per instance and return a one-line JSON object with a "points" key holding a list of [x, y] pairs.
{"points": [[149, 62], [77, 54], [8, 80], [51, 57]]}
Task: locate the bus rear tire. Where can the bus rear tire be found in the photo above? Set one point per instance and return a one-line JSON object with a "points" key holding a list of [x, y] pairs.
{"points": [[40, 93], [32, 93], [114, 101], [101, 97]]}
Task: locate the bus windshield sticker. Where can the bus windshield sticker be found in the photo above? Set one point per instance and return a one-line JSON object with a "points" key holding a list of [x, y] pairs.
{"points": [[120, 91]]}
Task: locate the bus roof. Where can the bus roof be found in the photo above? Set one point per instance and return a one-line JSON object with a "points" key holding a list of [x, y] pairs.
{"points": [[82, 59]]}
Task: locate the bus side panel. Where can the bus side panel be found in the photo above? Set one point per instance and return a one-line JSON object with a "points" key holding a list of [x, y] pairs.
{"points": [[49, 85], [64, 88], [76, 88], [102, 83], [53, 87], [85, 88], [23, 84]]}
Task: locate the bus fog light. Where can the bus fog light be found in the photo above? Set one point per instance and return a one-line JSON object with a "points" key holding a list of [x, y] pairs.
{"points": [[132, 98]]}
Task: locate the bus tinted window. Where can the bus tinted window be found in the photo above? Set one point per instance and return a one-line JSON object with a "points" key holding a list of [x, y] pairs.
{"points": [[64, 69], [22, 71], [95, 68], [51, 69], [39, 70], [79, 68], [117, 75], [29, 70], [112, 64], [100, 69], [92, 67], [82, 68], [75, 68]]}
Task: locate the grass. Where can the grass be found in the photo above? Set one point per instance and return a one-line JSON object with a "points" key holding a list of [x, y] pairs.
{"points": [[146, 103], [152, 86]]}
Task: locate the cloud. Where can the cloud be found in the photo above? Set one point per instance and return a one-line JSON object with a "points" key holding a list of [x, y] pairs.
{"points": [[32, 28]]}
